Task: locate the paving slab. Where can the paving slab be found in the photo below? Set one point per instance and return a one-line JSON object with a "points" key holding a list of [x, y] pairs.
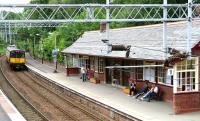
{"points": [[8, 112]]}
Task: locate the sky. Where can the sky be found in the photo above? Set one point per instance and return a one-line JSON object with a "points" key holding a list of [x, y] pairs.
{"points": [[14, 1]]}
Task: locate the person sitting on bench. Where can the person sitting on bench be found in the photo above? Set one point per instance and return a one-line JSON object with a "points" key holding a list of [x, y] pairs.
{"points": [[152, 93], [143, 90]]}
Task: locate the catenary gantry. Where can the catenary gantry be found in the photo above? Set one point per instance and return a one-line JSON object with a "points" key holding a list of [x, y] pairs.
{"points": [[55, 14]]}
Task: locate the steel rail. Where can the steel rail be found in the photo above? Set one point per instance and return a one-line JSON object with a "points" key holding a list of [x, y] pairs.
{"points": [[40, 95], [85, 97], [67, 100], [33, 107]]}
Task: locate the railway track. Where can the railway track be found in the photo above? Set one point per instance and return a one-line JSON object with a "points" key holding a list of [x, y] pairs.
{"points": [[29, 112], [48, 100]]}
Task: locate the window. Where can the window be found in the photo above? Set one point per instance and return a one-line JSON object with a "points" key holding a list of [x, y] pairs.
{"points": [[187, 75], [96, 64], [68, 60], [132, 73], [92, 63], [140, 71], [75, 61], [161, 75], [101, 65], [17, 54], [81, 61]]}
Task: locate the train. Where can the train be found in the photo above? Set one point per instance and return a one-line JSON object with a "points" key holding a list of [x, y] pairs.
{"points": [[15, 57]]}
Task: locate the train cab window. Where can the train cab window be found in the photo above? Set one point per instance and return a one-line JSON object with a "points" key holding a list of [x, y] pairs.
{"points": [[12, 54], [17, 54]]}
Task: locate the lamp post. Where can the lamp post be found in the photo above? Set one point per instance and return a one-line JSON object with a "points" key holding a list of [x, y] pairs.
{"points": [[55, 53], [41, 49], [34, 48]]}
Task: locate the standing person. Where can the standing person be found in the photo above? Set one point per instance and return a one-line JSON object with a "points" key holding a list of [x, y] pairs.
{"points": [[83, 73], [132, 87], [143, 90]]}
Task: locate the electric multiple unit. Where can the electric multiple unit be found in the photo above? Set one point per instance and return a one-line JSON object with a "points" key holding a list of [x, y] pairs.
{"points": [[15, 57]]}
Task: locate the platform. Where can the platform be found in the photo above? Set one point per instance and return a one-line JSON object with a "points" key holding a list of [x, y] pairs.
{"points": [[8, 112], [114, 97]]}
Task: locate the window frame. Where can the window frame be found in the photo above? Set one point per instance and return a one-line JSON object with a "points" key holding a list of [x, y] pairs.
{"points": [[161, 75], [183, 71], [141, 73], [101, 65], [92, 63]]}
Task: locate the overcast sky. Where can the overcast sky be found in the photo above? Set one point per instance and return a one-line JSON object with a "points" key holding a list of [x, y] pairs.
{"points": [[14, 1]]}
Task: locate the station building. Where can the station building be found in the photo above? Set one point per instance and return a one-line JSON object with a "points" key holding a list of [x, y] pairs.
{"points": [[178, 85]]}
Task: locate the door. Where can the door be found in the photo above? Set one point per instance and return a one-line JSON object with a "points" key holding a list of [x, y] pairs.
{"points": [[108, 76]]}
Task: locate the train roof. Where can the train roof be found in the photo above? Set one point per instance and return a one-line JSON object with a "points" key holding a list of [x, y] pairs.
{"points": [[13, 48]]}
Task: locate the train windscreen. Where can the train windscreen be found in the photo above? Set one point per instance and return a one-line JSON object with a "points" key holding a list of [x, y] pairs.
{"points": [[17, 54]]}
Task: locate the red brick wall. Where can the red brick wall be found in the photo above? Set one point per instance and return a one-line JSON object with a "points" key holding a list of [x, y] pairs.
{"points": [[196, 52], [90, 73], [99, 76], [199, 74], [166, 91], [186, 102], [72, 71]]}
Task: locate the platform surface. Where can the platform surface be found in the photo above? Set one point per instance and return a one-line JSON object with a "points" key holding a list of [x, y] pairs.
{"points": [[8, 112], [114, 97]]}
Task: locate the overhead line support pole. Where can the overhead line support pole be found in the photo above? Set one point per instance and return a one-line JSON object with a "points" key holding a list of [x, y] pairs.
{"points": [[6, 33], [165, 43], [189, 27], [10, 35], [107, 22]]}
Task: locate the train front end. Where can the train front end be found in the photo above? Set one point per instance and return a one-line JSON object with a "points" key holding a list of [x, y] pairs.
{"points": [[17, 59]]}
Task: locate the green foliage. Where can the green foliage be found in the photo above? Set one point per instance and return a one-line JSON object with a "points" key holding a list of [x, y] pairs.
{"points": [[2, 47]]}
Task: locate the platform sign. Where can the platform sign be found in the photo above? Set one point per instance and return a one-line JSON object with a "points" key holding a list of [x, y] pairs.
{"points": [[54, 54]]}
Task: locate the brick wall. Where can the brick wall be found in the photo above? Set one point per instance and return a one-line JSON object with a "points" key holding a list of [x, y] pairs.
{"points": [[72, 71], [90, 73], [100, 76], [186, 102], [165, 90], [199, 75], [196, 52]]}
